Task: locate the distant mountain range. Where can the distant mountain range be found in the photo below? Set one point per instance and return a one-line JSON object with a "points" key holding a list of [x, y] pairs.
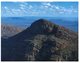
{"points": [[8, 30], [42, 41]]}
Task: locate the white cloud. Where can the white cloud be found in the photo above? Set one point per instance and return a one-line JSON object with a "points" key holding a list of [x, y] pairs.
{"points": [[16, 10], [48, 4], [57, 7], [44, 8], [61, 12], [30, 6], [25, 6], [22, 6], [6, 8]]}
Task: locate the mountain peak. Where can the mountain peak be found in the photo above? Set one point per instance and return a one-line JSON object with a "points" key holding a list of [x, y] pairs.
{"points": [[43, 26], [42, 22]]}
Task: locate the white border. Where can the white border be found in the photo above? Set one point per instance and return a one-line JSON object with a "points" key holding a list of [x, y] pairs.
{"points": [[79, 30], [0, 32], [44, 1]]}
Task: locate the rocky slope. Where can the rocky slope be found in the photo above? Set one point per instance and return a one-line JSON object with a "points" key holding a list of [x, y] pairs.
{"points": [[42, 41]]}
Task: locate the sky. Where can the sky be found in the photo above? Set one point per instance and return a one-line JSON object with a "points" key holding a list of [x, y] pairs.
{"points": [[48, 9]]}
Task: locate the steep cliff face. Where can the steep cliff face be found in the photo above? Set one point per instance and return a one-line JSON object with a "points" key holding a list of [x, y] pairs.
{"points": [[42, 41]]}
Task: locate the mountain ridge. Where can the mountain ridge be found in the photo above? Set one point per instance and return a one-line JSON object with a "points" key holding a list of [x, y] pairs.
{"points": [[8, 30], [42, 41]]}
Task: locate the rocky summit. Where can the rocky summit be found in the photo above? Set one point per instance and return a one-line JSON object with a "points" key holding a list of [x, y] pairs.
{"points": [[42, 41]]}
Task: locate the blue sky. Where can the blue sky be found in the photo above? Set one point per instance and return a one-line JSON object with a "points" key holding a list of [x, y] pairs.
{"points": [[49, 9]]}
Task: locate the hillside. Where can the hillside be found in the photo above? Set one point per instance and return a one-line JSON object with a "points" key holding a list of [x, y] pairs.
{"points": [[8, 30], [42, 41]]}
